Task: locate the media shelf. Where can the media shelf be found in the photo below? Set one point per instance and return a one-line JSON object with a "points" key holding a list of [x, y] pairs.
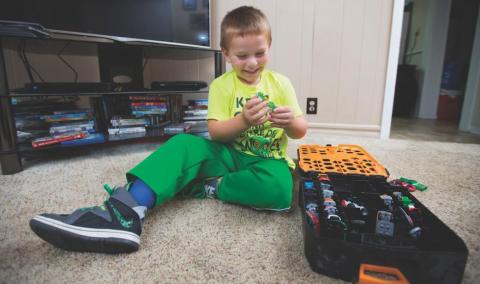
{"points": [[101, 106], [101, 119]]}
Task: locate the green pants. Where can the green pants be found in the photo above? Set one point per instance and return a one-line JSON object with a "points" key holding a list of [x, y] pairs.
{"points": [[182, 164]]}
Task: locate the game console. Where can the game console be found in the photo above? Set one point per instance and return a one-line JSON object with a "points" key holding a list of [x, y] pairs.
{"points": [[178, 85]]}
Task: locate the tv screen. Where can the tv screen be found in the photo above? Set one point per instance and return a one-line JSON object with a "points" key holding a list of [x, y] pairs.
{"points": [[169, 21]]}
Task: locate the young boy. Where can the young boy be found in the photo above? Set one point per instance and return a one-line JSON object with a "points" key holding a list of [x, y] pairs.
{"points": [[251, 112]]}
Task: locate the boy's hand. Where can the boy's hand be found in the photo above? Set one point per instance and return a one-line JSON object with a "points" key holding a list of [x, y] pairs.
{"points": [[281, 117], [255, 112]]}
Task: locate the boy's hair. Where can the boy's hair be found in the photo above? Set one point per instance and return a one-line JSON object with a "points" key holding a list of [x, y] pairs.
{"points": [[244, 20]]}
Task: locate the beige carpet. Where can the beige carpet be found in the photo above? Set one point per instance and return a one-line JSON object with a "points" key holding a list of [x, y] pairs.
{"points": [[200, 241]]}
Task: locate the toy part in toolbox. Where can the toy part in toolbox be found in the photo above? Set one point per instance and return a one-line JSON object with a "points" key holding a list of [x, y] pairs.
{"points": [[387, 199], [398, 195], [366, 277], [330, 210], [328, 202], [334, 217], [309, 185], [407, 217], [314, 219], [384, 225], [415, 232], [327, 193], [312, 207], [351, 204], [342, 159], [324, 185], [323, 178]]}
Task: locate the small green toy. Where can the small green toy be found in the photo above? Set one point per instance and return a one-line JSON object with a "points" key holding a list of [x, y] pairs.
{"points": [[415, 183], [264, 97], [406, 201]]}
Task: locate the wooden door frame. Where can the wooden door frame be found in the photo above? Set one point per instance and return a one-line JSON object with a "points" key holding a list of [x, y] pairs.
{"points": [[392, 65]]}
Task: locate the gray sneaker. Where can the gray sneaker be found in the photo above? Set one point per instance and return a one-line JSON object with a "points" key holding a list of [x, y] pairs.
{"points": [[113, 227]]}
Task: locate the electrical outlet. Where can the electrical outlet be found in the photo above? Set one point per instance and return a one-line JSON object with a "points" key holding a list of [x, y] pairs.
{"points": [[312, 105]]}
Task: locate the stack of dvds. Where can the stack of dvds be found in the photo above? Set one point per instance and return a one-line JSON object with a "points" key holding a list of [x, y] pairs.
{"points": [[122, 124], [30, 112], [69, 128], [152, 108], [195, 114]]}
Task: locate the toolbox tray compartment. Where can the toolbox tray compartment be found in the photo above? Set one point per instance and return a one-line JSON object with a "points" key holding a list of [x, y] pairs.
{"points": [[438, 256]]}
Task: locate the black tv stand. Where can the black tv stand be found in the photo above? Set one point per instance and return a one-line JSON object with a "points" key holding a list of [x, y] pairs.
{"points": [[12, 150]]}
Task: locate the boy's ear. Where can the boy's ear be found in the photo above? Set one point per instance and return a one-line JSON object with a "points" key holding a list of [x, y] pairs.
{"points": [[225, 55]]}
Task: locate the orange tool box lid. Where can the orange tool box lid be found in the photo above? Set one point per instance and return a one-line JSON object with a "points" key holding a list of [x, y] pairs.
{"points": [[341, 159]]}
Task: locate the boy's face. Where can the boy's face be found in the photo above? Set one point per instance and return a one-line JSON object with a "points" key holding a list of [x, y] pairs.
{"points": [[248, 56]]}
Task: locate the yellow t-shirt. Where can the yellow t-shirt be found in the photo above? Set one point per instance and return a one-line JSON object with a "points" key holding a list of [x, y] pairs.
{"points": [[226, 98]]}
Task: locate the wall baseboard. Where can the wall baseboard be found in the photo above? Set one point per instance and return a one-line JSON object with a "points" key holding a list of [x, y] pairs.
{"points": [[349, 129], [366, 127]]}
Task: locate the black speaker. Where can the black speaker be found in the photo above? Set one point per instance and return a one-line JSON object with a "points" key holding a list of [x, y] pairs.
{"points": [[122, 66], [406, 91]]}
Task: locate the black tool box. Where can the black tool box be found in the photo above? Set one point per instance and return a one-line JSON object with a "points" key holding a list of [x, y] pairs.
{"points": [[357, 226]]}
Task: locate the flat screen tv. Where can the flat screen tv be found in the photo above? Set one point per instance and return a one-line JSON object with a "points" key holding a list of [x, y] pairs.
{"points": [[181, 22]]}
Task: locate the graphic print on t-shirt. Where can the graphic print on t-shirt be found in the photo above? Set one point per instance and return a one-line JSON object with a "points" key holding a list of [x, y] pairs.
{"points": [[261, 140]]}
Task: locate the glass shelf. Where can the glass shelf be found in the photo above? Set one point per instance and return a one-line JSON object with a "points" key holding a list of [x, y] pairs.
{"points": [[19, 93]]}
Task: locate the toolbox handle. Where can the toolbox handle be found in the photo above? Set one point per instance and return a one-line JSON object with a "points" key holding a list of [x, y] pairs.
{"points": [[364, 278]]}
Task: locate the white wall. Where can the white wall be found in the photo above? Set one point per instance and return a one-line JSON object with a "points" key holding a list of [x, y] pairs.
{"points": [[336, 51]]}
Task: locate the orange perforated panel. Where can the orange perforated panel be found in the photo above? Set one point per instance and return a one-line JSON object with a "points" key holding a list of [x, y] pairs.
{"points": [[342, 159]]}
